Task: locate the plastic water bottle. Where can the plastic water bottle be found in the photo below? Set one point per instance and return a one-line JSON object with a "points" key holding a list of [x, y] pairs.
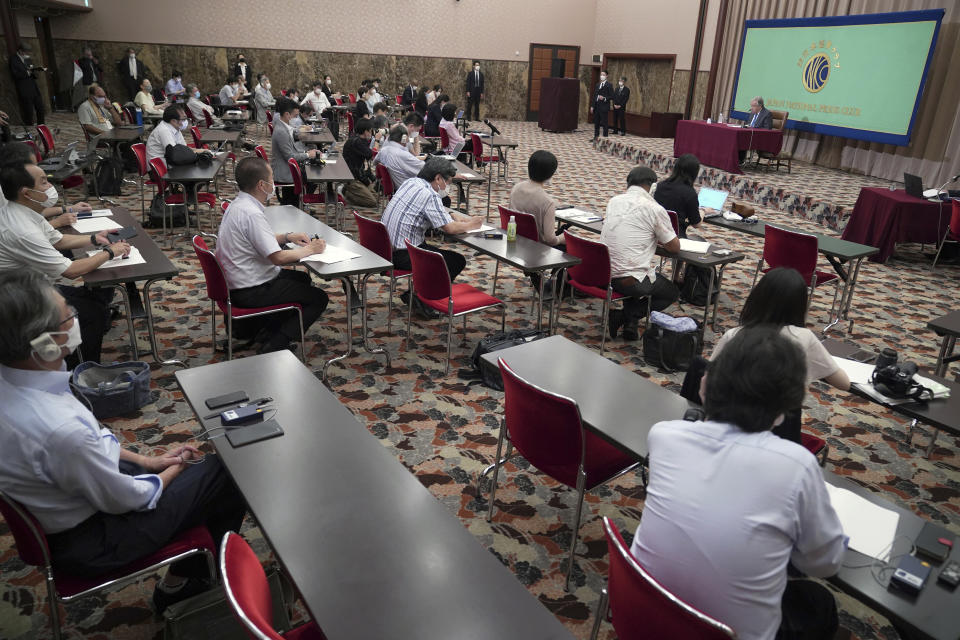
{"points": [[139, 113], [512, 229], [720, 118]]}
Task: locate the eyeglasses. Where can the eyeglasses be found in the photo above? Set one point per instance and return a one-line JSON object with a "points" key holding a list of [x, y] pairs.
{"points": [[73, 314]]}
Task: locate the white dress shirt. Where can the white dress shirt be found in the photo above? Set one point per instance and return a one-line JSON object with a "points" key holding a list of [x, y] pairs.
{"points": [[227, 95], [820, 363], [26, 241], [56, 460], [633, 226], [244, 243], [320, 103], [725, 512], [133, 66], [400, 163], [162, 135]]}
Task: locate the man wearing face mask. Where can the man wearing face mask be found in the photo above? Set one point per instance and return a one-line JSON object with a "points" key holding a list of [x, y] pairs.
{"points": [[96, 114], [317, 99], [243, 71], [251, 255], [230, 91], [168, 132], [101, 506], [144, 99], [132, 72], [399, 163], [286, 145], [600, 105], [475, 90], [263, 99], [196, 105], [620, 96], [409, 94], [416, 207], [25, 79], [28, 241], [174, 88]]}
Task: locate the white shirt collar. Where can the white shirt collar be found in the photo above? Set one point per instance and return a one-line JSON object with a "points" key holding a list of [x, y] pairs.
{"points": [[49, 381], [243, 195]]}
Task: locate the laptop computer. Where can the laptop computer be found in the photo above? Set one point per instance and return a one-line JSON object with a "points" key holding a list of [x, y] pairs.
{"points": [[91, 148], [913, 185], [460, 114], [712, 198], [52, 164]]}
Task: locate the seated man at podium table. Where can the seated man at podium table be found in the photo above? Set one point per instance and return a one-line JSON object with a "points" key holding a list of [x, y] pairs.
{"points": [[760, 118]]}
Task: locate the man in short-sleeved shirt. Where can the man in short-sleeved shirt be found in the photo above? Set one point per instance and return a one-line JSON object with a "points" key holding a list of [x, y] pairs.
{"points": [[167, 132], [633, 227], [400, 163], [417, 207], [251, 255], [95, 114]]}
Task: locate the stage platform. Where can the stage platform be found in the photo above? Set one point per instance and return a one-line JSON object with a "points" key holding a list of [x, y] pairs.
{"points": [[824, 196]]}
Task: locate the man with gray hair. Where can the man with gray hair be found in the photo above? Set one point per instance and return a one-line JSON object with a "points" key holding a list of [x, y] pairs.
{"points": [[100, 506], [400, 163], [197, 106], [417, 207]]}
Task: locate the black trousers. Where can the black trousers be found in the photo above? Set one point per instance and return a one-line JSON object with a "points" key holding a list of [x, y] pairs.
{"points": [[809, 612], [662, 291], [202, 494], [93, 311], [288, 287], [473, 102], [620, 120], [600, 119], [30, 105], [455, 262]]}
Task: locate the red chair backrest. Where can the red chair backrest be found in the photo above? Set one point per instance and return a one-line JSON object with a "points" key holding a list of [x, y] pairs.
{"points": [[269, 116], [339, 101], [217, 289], [526, 222], [642, 608], [350, 122], [46, 137], [197, 138], [955, 218], [270, 128], [246, 586], [297, 177], [36, 150], [260, 151], [431, 279], [140, 152], [477, 144], [208, 118], [158, 169], [782, 248], [594, 268], [674, 220], [399, 99], [386, 182], [27, 533], [444, 140], [374, 236], [353, 97], [544, 427]]}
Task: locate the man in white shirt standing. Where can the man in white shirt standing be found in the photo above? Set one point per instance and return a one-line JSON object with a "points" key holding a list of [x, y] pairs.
{"points": [[101, 506], [251, 255], [168, 131], [730, 504], [633, 227]]}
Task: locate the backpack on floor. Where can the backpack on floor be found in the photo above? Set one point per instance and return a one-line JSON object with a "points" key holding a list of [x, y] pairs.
{"points": [[696, 281], [490, 374], [108, 175], [176, 214], [671, 350]]}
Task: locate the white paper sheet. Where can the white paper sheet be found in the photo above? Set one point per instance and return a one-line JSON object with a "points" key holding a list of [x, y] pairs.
{"points": [[578, 214], [858, 372], [484, 227], [468, 175], [92, 225], [331, 255], [694, 246], [871, 528], [100, 213], [133, 258]]}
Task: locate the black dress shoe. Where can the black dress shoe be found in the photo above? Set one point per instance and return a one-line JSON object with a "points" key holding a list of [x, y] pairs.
{"points": [[614, 322]]}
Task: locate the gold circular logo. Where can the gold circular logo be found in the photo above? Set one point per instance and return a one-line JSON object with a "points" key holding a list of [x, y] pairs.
{"points": [[816, 72]]}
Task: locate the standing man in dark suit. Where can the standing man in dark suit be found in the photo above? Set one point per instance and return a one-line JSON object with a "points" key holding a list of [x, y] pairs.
{"points": [[620, 96], [25, 79], [244, 70], [760, 118], [131, 73], [600, 105], [409, 94], [91, 69], [475, 90]]}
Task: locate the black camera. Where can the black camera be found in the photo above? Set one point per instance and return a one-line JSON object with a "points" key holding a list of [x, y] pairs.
{"points": [[895, 380]]}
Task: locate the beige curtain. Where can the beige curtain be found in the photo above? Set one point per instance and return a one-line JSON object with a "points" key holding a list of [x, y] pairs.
{"points": [[935, 141]]}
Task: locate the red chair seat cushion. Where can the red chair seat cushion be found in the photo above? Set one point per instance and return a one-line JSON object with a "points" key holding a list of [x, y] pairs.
{"points": [[398, 273], [812, 443], [314, 198], [465, 298], [822, 276], [204, 197], [195, 538], [308, 631], [239, 312], [603, 461], [72, 181], [593, 292]]}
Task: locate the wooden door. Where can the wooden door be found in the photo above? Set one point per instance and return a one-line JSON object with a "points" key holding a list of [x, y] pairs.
{"points": [[541, 59]]}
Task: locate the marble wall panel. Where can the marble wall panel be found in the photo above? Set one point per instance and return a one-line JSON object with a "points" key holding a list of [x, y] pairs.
{"points": [[678, 99], [649, 82]]}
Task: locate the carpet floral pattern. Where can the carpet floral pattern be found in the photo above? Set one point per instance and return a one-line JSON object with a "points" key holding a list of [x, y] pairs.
{"points": [[443, 428]]}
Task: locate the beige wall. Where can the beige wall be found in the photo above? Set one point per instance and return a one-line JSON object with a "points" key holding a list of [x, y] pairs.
{"points": [[442, 28], [651, 26]]}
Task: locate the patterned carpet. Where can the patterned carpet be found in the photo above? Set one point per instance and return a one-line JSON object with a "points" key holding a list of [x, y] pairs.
{"points": [[444, 428]]}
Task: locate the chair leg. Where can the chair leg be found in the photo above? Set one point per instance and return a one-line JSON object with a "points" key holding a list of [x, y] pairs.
{"points": [[496, 470], [229, 317], [581, 480], [54, 610], [503, 317], [755, 274], [406, 338], [496, 272], [303, 340], [942, 242], [450, 337], [603, 320], [601, 613], [213, 325], [393, 287]]}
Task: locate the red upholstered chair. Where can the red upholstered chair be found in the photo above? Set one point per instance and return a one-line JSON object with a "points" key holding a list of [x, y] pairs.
{"points": [[640, 607], [349, 115], [261, 153], [444, 140], [952, 233], [299, 189], [219, 295], [36, 150], [157, 170], [49, 148], [208, 118], [353, 98], [245, 584], [526, 227], [794, 250], [140, 153], [339, 101], [479, 158], [63, 588], [269, 116], [399, 99], [270, 128], [198, 138], [592, 277], [432, 286], [374, 236], [386, 184], [547, 431], [674, 220]]}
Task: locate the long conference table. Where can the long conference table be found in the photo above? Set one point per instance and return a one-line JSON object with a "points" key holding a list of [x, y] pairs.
{"points": [[371, 551], [621, 407], [719, 145], [884, 218]]}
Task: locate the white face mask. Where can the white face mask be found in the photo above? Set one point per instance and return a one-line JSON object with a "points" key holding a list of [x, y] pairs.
{"points": [[413, 136], [414, 87], [148, 88], [329, 82], [52, 197], [443, 193], [73, 337], [603, 78], [318, 91], [183, 125], [477, 68], [270, 193], [133, 56], [621, 84], [267, 86], [100, 100]]}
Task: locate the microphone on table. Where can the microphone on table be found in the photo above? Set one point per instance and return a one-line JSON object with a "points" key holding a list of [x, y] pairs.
{"points": [[497, 131]]}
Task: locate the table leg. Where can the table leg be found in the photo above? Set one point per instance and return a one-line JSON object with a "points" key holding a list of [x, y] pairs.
{"points": [[363, 310], [150, 329], [941, 364], [933, 442], [131, 330], [706, 307], [488, 198], [543, 275], [716, 299]]}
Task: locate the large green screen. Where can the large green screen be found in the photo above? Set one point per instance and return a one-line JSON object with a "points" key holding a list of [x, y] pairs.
{"points": [[853, 76]]}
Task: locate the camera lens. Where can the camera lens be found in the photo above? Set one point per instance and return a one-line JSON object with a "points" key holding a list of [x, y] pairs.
{"points": [[886, 358]]}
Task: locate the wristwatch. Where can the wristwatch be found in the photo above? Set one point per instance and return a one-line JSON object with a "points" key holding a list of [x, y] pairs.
{"points": [[109, 252], [93, 240]]}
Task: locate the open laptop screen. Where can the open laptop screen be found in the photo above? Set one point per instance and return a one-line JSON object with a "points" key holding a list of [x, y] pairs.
{"points": [[712, 198]]}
